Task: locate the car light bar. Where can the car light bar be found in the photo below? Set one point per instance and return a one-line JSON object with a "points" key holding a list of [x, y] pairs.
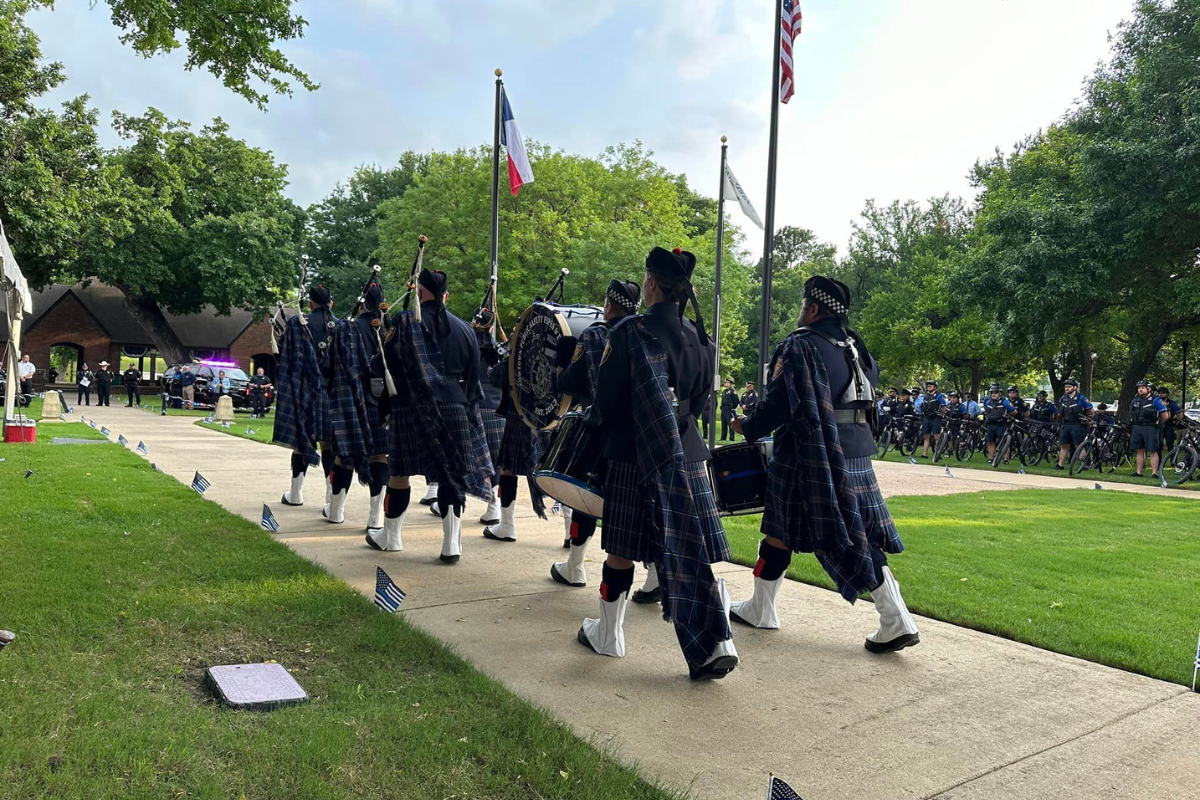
{"points": [[210, 363]]}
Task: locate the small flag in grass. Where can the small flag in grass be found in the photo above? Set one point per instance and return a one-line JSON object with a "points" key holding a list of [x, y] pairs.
{"points": [[224, 424], [556, 508], [121, 440], [141, 448], [1021, 471], [1164, 482], [93, 424], [154, 467], [105, 431], [388, 596], [949, 474], [1098, 487], [249, 431], [200, 483], [268, 520], [912, 460], [778, 790], [1196, 669]]}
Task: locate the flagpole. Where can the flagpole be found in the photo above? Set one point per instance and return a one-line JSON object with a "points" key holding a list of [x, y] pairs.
{"points": [[495, 245], [716, 326], [764, 335]]}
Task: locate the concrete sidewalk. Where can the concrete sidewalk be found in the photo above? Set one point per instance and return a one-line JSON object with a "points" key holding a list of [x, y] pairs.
{"points": [[964, 715]]}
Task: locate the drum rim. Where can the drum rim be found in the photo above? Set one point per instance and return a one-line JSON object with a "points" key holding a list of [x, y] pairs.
{"points": [[565, 478], [568, 401]]}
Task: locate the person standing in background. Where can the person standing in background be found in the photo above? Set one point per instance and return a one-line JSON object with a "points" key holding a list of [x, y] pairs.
{"points": [[133, 391], [104, 379], [83, 383]]}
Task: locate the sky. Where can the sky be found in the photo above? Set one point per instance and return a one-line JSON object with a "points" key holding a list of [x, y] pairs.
{"points": [[895, 99]]}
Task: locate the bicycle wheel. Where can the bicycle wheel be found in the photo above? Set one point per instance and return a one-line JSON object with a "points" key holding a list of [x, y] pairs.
{"points": [[909, 445], [1181, 464], [965, 448], [943, 445], [1002, 448], [1080, 459], [1033, 451], [885, 443]]}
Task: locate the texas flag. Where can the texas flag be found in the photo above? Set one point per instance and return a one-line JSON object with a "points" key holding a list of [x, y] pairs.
{"points": [[519, 171]]}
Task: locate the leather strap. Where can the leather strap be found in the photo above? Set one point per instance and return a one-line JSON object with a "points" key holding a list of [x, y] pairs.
{"points": [[850, 416]]}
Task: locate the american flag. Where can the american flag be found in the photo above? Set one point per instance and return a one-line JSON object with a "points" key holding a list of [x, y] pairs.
{"points": [[778, 790], [121, 440], [268, 520], [789, 29], [388, 596], [200, 483], [105, 431], [141, 448]]}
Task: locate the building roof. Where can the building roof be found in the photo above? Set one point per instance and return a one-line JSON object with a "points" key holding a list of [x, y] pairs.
{"points": [[203, 330]]}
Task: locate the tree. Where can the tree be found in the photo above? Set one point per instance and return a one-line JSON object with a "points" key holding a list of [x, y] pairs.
{"points": [[56, 190], [208, 224], [343, 231], [232, 39]]}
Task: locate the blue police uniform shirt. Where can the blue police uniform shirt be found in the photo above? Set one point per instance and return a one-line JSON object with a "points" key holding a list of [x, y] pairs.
{"points": [[1064, 403], [972, 408]]}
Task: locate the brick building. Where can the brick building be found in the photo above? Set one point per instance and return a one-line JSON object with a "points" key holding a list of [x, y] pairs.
{"points": [[94, 323]]}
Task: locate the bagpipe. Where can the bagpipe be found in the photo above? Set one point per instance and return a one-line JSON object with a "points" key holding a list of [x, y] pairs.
{"points": [[279, 318], [496, 349]]}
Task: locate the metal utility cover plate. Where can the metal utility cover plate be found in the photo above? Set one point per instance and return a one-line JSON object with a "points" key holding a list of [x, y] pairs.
{"points": [[254, 686]]}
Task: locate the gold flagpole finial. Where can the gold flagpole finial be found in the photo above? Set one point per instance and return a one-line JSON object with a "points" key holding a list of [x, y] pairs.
{"points": [[499, 72], [724, 139]]}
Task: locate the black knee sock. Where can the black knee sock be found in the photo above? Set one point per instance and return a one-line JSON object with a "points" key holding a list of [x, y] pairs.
{"points": [[342, 478], [772, 562], [582, 528], [615, 582], [508, 490], [327, 457], [395, 502], [379, 476], [299, 465], [879, 561], [447, 498]]}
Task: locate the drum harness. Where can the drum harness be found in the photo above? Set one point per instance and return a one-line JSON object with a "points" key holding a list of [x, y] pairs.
{"points": [[858, 391]]}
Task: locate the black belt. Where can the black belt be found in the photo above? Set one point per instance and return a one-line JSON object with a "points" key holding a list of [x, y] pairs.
{"points": [[850, 416]]}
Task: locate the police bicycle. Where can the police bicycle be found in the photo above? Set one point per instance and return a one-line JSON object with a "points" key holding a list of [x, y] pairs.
{"points": [[1104, 448], [903, 434], [1184, 459], [947, 441], [1012, 442], [1041, 444], [970, 439]]}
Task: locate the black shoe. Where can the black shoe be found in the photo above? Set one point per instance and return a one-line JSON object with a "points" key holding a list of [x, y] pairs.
{"points": [[646, 598], [371, 543], [714, 670], [1138, 475], [284, 500], [899, 643], [558, 578], [582, 638], [487, 534], [1059, 467], [450, 559]]}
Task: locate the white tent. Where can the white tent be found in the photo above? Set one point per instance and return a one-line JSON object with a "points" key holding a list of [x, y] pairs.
{"points": [[17, 303]]}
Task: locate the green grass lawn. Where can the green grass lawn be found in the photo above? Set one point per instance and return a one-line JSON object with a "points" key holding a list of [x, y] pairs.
{"points": [[123, 586], [258, 430], [979, 461], [1110, 577]]}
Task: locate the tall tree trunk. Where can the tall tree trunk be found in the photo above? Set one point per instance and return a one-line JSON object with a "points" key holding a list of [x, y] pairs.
{"points": [[1087, 368], [976, 378], [154, 322], [1056, 380], [1139, 364]]}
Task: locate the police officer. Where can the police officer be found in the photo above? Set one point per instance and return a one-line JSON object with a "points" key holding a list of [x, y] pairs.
{"points": [[889, 409], [133, 392], [1073, 407], [260, 384], [658, 503], [802, 478], [1043, 411], [579, 377], [104, 378], [1167, 440], [749, 399], [996, 410], [1020, 409], [729, 404], [931, 407], [1146, 413], [955, 411]]}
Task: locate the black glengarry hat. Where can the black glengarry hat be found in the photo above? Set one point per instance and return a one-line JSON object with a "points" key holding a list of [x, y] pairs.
{"points": [[676, 266], [320, 295], [625, 295], [435, 281], [833, 295]]}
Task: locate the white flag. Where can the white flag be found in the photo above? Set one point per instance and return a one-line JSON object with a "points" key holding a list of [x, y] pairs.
{"points": [[732, 185]]}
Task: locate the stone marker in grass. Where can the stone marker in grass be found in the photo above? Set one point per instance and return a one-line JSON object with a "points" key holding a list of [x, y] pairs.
{"points": [[256, 687], [6, 638]]}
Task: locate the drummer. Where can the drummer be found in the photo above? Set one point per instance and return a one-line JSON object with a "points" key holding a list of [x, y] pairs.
{"points": [[655, 378], [578, 368], [822, 495]]}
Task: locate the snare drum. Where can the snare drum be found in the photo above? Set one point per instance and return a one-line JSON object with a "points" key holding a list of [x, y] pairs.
{"points": [[739, 477], [567, 469], [534, 342]]}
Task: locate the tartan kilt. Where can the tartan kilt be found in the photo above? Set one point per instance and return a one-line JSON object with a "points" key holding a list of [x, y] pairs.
{"points": [[379, 430], [628, 529], [323, 417], [407, 449], [519, 446], [493, 426]]}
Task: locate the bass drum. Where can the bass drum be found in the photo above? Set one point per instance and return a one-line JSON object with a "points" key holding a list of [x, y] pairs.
{"points": [[567, 470], [739, 477], [531, 368]]}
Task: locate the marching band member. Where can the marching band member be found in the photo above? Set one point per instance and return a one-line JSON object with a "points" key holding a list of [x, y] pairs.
{"points": [[302, 405], [435, 427], [579, 367], [822, 495], [520, 448], [493, 422], [658, 503]]}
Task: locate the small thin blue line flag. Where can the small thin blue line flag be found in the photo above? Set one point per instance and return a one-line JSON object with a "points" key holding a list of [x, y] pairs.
{"points": [[1196, 669], [92, 423], [200, 483], [778, 790], [268, 520], [388, 596], [121, 440], [141, 448], [949, 474], [249, 431], [105, 431]]}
